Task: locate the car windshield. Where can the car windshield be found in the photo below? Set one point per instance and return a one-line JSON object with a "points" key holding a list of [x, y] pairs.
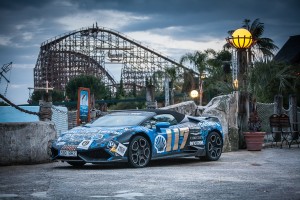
{"points": [[119, 119]]}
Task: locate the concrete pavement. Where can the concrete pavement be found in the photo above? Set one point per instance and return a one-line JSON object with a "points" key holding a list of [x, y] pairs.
{"points": [[272, 173]]}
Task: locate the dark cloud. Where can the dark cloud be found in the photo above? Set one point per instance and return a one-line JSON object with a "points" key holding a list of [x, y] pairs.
{"points": [[19, 4], [25, 24]]}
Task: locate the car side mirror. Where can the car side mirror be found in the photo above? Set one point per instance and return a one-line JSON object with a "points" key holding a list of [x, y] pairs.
{"points": [[148, 125], [160, 125]]}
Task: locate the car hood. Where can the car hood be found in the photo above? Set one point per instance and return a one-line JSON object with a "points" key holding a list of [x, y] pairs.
{"points": [[97, 134]]}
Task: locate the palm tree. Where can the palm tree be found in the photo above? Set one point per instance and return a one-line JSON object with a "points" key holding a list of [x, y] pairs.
{"points": [[188, 81], [264, 45], [198, 61], [209, 64], [268, 79], [219, 79], [171, 72]]}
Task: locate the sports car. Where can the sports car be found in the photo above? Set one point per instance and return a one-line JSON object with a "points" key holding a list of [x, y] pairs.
{"points": [[139, 136]]}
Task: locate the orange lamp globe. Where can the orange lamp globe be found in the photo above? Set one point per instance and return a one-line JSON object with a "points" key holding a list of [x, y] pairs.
{"points": [[241, 39]]}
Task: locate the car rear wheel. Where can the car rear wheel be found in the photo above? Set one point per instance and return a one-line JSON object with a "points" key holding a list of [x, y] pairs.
{"points": [[213, 146], [76, 163], [139, 153]]}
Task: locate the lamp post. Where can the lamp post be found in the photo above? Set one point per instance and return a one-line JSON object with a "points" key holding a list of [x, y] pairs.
{"points": [[241, 40], [194, 94]]}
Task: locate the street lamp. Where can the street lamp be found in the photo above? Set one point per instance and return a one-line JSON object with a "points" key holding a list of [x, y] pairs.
{"points": [[235, 84], [241, 40], [194, 94]]}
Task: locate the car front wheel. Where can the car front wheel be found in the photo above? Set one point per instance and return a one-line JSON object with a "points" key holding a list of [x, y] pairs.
{"points": [[139, 153], [213, 146]]}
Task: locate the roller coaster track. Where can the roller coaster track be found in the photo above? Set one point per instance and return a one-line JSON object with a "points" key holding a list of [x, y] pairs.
{"points": [[91, 51]]}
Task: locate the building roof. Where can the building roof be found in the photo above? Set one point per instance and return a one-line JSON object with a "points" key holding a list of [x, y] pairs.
{"points": [[290, 52]]}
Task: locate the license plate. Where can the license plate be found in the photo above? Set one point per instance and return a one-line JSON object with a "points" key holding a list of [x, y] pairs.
{"points": [[67, 153]]}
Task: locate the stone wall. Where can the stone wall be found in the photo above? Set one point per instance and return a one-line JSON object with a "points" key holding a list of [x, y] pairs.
{"points": [[187, 108], [225, 108], [25, 143]]}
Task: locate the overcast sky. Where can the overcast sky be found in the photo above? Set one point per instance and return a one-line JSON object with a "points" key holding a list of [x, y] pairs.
{"points": [[174, 27]]}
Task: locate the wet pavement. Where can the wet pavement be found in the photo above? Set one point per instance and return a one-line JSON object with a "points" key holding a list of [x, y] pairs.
{"points": [[272, 173]]}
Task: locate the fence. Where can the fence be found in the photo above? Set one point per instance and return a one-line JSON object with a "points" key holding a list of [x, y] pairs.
{"points": [[265, 110], [60, 118]]}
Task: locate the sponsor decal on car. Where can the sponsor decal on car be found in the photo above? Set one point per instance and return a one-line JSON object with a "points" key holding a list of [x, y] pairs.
{"points": [[160, 144], [195, 143], [121, 149], [85, 144], [60, 143], [195, 131]]}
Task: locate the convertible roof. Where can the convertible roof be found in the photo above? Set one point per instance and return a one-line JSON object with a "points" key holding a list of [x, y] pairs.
{"points": [[178, 116]]}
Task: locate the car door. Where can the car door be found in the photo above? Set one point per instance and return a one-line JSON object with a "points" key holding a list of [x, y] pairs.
{"points": [[169, 138]]}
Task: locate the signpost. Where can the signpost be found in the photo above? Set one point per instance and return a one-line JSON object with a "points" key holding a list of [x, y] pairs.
{"points": [[83, 105]]}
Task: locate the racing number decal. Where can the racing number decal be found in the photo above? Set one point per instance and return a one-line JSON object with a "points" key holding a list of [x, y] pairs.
{"points": [[169, 139], [185, 133], [176, 141], [180, 137]]}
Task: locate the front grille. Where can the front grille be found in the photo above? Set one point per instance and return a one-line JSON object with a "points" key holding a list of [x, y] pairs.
{"points": [[95, 154]]}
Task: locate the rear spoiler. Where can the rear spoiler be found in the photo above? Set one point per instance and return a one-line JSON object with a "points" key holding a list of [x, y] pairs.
{"points": [[208, 118]]}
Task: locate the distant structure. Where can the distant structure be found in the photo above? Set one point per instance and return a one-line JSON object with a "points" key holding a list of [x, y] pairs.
{"points": [[5, 69], [95, 51], [290, 52]]}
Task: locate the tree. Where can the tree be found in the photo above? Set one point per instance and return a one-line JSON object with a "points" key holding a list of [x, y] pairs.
{"points": [[57, 96], [269, 79], [264, 45], [210, 65], [97, 87], [172, 74], [2, 103], [188, 81], [120, 92], [198, 62], [219, 78]]}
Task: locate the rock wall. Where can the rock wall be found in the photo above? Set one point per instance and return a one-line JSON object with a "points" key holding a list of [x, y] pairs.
{"points": [[187, 108], [25, 143], [225, 108]]}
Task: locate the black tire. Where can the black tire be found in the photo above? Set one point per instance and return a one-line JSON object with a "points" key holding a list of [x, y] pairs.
{"points": [[213, 146], [139, 152], [76, 163]]}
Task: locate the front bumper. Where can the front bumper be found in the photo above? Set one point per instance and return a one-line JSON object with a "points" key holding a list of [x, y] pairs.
{"points": [[99, 155]]}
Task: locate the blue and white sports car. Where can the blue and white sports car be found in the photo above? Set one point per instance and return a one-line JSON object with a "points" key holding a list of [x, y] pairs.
{"points": [[138, 136]]}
